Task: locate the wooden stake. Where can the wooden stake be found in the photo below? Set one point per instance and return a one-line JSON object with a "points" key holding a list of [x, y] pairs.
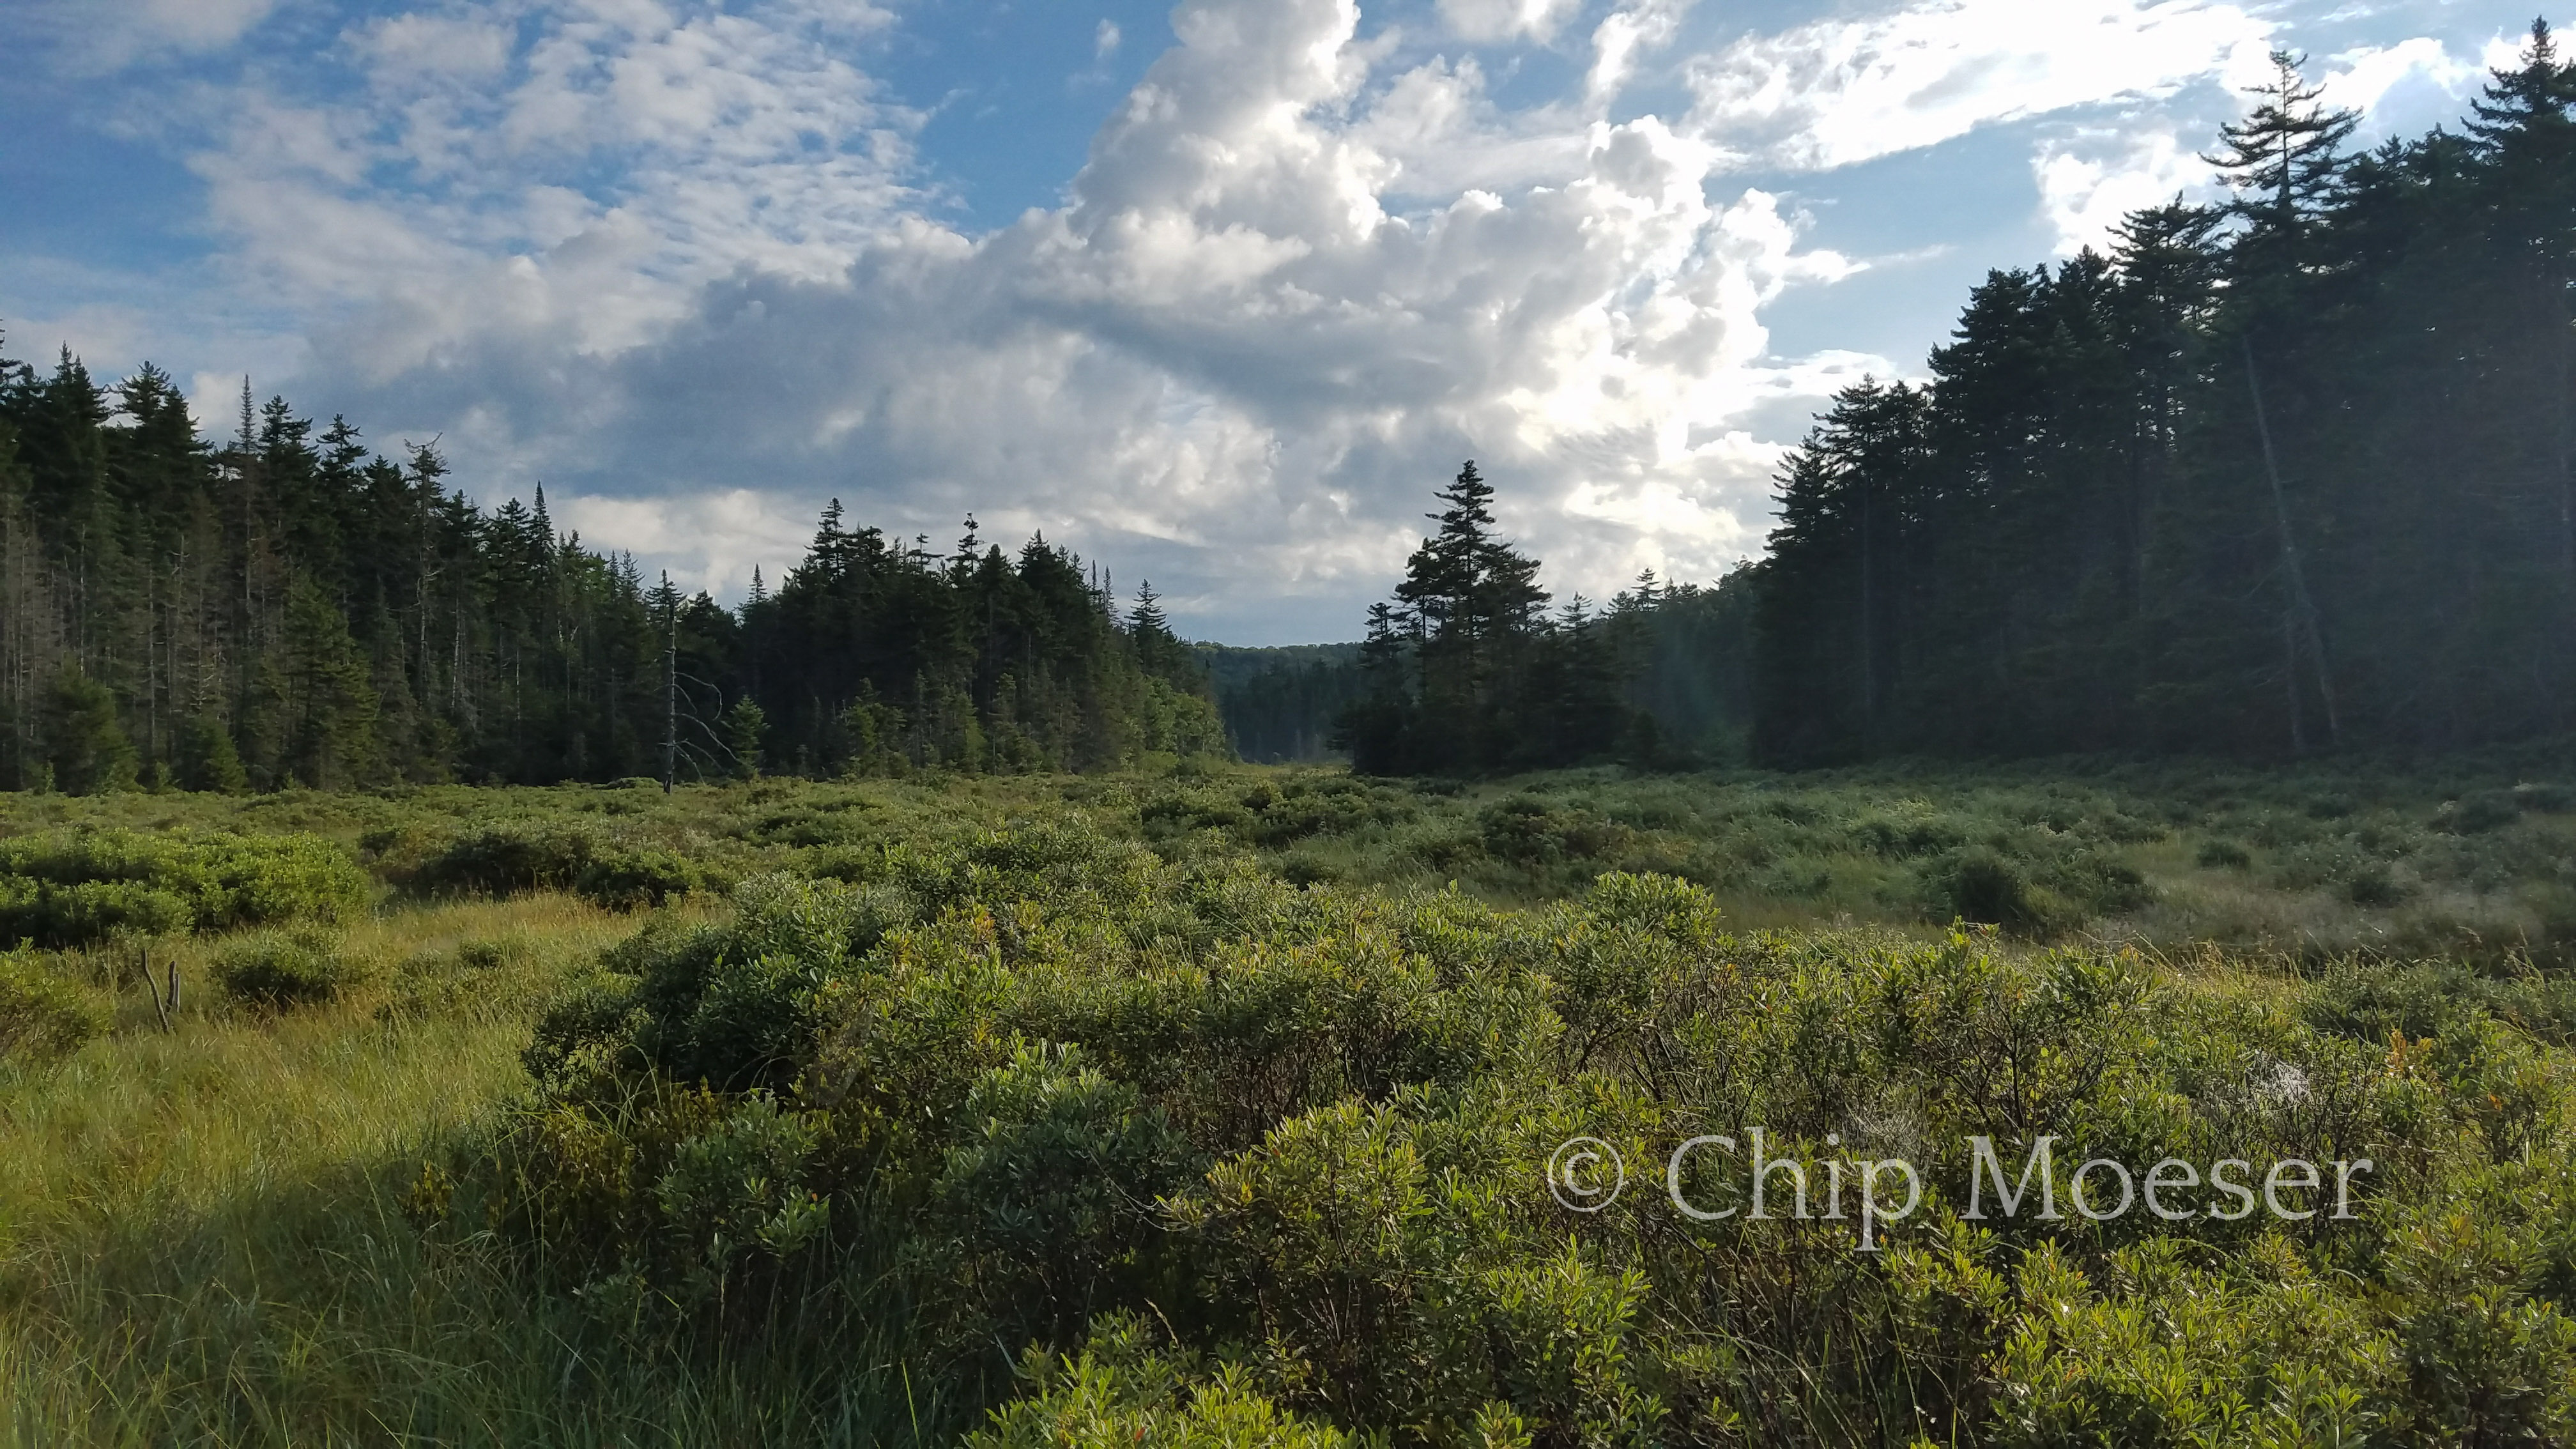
{"points": [[152, 989]]}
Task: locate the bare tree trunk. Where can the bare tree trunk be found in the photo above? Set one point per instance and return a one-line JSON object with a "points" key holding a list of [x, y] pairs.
{"points": [[2300, 619]]}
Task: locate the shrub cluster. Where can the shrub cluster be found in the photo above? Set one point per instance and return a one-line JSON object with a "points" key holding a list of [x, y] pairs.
{"points": [[276, 970], [74, 888], [515, 857], [41, 1014], [1238, 1161]]}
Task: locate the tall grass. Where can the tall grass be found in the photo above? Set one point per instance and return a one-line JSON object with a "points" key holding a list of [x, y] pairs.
{"points": [[212, 1237]]}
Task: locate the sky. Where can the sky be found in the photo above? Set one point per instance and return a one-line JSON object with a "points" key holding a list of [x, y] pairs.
{"points": [[1215, 295]]}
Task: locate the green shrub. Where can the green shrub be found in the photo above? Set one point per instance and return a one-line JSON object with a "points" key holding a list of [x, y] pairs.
{"points": [[1527, 831], [2223, 855], [281, 969], [72, 888], [1040, 1085], [2545, 799], [2374, 886], [737, 1006], [40, 1013], [1984, 887], [1123, 1388], [1048, 1205], [506, 859], [739, 1188], [2478, 813], [634, 878], [518, 856], [2101, 884]]}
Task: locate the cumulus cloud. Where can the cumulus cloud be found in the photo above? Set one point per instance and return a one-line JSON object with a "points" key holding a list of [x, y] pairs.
{"points": [[1837, 92], [1229, 360], [2092, 179]]}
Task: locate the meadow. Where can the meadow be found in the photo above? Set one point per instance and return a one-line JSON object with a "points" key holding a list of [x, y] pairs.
{"points": [[1218, 1104]]}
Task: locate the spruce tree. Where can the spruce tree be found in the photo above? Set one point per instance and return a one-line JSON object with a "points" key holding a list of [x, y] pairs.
{"points": [[84, 746]]}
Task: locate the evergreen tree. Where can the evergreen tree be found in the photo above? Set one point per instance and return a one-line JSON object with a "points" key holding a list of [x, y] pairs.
{"points": [[207, 760], [84, 746], [745, 725]]}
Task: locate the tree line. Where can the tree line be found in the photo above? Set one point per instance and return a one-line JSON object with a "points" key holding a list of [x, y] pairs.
{"points": [[295, 607], [2285, 474]]}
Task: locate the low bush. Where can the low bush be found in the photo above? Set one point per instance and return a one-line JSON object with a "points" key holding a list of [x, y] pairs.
{"points": [[2374, 886], [73, 888], [517, 857], [505, 859], [633, 878], [1981, 885], [2223, 855], [42, 1014], [1220, 1155], [2477, 813], [277, 970]]}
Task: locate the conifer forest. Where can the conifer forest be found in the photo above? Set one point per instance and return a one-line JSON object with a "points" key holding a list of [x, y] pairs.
{"points": [[2075, 945]]}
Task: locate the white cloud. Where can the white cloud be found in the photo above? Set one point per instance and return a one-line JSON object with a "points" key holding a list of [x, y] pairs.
{"points": [[1228, 362], [2091, 180], [2361, 79], [574, 176], [93, 36], [724, 532], [1837, 92], [1483, 21], [1104, 41], [1623, 39]]}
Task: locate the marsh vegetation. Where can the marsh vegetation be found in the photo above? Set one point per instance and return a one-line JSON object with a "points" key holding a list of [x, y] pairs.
{"points": [[1216, 1103]]}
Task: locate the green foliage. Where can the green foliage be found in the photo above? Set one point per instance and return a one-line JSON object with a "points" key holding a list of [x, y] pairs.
{"points": [[1979, 885], [73, 888], [1047, 1209], [41, 1013], [277, 970], [208, 760], [83, 745], [513, 857], [1047, 1090], [1121, 1388], [745, 724], [1063, 1073]]}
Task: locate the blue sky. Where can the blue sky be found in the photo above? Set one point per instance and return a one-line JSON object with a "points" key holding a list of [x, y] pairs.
{"points": [[1215, 294]]}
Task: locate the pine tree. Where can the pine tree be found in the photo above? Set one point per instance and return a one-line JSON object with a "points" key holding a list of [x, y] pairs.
{"points": [[744, 726], [84, 746], [2285, 159], [325, 699], [207, 760]]}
